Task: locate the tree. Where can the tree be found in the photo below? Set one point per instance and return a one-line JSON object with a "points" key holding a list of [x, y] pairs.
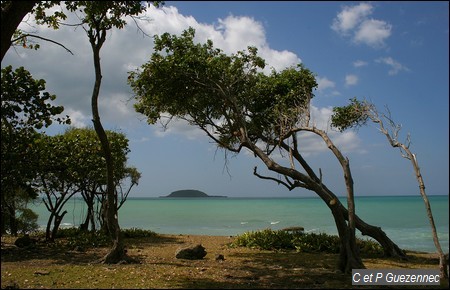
{"points": [[238, 107], [100, 17], [356, 114], [74, 164], [25, 109]]}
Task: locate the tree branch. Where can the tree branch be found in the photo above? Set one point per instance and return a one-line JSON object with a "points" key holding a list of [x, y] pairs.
{"points": [[288, 184], [43, 38]]}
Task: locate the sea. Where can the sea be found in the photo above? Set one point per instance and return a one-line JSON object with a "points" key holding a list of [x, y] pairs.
{"points": [[403, 218]]}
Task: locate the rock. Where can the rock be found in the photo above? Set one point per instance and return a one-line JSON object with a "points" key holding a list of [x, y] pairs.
{"points": [[25, 242], [294, 230], [41, 272], [220, 257], [196, 252]]}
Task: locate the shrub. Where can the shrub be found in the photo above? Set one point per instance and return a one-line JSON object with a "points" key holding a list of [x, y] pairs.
{"points": [[137, 233], [27, 221], [302, 242]]}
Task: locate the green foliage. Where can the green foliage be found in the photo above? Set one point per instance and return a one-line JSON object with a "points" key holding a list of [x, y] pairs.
{"points": [[302, 242], [76, 157], [266, 240], [137, 233], [23, 102], [321, 242], [225, 95], [27, 221], [82, 239], [25, 108], [353, 115]]}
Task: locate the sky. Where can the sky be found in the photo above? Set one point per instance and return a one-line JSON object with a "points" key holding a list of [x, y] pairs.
{"points": [[394, 54]]}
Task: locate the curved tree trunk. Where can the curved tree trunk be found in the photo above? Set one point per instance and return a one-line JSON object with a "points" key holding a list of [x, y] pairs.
{"points": [[117, 252], [349, 255]]}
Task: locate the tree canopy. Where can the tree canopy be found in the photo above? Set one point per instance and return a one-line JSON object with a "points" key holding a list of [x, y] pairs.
{"points": [[221, 94]]}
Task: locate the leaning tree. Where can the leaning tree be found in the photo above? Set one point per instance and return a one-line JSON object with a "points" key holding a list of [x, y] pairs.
{"points": [[238, 106], [355, 115]]}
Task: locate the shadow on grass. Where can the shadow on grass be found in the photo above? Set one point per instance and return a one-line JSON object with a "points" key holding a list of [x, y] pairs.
{"points": [[60, 253], [275, 270]]}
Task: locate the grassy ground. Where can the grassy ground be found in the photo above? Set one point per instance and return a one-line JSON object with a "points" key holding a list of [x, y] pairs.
{"points": [[54, 266]]}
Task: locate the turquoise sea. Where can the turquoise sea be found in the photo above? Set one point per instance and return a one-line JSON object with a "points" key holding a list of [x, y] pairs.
{"points": [[402, 218]]}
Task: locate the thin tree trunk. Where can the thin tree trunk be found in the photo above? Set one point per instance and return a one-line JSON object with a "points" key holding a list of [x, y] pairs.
{"points": [[406, 153], [117, 252]]}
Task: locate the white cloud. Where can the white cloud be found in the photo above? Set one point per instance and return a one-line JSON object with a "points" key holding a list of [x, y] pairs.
{"points": [[326, 87], [359, 63], [354, 22], [395, 66], [351, 80], [231, 34], [324, 83], [78, 119], [373, 33], [350, 17]]}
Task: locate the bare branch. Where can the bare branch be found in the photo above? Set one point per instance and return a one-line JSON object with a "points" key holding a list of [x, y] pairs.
{"points": [[43, 38]]}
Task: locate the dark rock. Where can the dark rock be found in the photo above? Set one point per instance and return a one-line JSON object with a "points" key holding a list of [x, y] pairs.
{"points": [[220, 257], [196, 252], [294, 230], [25, 242]]}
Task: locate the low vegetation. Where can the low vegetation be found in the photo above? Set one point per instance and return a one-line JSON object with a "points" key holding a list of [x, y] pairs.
{"points": [[301, 242]]}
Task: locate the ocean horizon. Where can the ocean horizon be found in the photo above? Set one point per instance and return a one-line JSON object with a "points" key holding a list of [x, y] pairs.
{"points": [[402, 218]]}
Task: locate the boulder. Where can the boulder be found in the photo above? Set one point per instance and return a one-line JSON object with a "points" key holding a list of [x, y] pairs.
{"points": [[220, 257], [25, 242], [196, 252], [294, 230]]}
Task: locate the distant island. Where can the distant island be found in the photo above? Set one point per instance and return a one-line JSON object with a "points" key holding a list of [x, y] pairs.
{"points": [[190, 193]]}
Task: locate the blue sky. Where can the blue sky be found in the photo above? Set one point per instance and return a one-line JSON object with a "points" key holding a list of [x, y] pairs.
{"points": [[394, 54]]}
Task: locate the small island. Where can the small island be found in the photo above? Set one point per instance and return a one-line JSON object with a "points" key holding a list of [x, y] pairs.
{"points": [[190, 193]]}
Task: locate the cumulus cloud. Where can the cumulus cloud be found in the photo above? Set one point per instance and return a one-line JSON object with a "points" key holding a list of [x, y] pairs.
{"points": [[373, 33], [78, 119], [324, 83], [326, 87], [395, 66], [354, 22], [231, 34], [350, 17], [351, 80]]}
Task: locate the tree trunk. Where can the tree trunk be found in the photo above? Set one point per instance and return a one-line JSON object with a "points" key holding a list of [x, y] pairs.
{"points": [[117, 252], [12, 14], [349, 255], [56, 224], [12, 220], [389, 247]]}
